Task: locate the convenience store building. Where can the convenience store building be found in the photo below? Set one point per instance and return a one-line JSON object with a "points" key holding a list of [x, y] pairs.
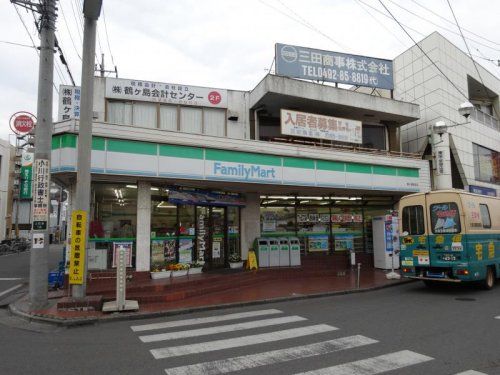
{"points": [[188, 173]]}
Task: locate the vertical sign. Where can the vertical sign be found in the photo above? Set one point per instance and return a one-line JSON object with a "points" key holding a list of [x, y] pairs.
{"points": [[26, 175], [41, 194], [121, 273], [77, 256], [69, 102]]}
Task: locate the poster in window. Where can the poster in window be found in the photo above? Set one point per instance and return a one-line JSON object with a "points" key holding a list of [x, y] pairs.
{"points": [[157, 254], [185, 250], [169, 250], [318, 243], [445, 218], [216, 246]]}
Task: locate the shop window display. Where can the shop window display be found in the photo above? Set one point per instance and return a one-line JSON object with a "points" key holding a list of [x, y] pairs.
{"points": [[277, 221], [347, 228], [313, 228]]}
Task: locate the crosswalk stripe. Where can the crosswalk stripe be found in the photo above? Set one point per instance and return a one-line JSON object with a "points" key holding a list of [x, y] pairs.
{"points": [[373, 365], [240, 341], [268, 358], [471, 372], [221, 329], [210, 319]]}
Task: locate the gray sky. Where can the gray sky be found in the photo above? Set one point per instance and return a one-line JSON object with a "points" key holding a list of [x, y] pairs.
{"points": [[230, 44]]}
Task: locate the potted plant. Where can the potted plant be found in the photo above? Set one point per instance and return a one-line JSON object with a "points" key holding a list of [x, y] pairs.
{"points": [[235, 260], [159, 271], [179, 269], [195, 268]]}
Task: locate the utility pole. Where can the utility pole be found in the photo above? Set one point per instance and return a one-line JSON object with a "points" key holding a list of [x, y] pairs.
{"points": [[91, 12], [38, 288]]}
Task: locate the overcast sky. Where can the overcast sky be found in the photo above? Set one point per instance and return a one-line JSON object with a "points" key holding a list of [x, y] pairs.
{"points": [[229, 44]]}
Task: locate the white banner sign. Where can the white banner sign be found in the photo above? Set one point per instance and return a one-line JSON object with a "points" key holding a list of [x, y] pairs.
{"points": [[41, 194], [129, 89], [309, 125], [69, 102]]}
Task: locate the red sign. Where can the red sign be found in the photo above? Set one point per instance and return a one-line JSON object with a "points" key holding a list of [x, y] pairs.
{"points": [[22, 122], [214, 97]]}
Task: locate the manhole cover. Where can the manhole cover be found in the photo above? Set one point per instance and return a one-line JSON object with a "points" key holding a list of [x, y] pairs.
{"points": [[465, 299]]}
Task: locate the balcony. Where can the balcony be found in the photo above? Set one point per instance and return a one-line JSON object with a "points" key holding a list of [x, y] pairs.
{"points": [[485, 119]]}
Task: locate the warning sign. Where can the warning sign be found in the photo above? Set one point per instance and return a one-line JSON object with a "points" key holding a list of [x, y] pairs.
{"points": [[77, 256], [252, 261]]}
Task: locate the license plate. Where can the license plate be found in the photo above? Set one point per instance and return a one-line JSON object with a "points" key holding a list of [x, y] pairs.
{"points": [[437, 275]]}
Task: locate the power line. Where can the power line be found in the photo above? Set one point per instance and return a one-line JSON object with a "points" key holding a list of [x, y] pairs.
{"points": [[32, 41], [69, 31], [107, 37], [466, 45], [439, 26], [447, 20], [17, 44], [420, 48]]}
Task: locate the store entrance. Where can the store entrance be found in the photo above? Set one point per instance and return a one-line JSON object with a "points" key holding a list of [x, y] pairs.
{"points": [[211, 235]]}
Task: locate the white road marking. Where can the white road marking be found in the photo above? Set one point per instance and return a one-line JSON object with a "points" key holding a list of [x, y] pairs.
{"points": [[210, 319], [373, 365], [471, 372], [497, 317], [221, 329], [269, 358], [10, 278], [10, 289], [209, 346]]}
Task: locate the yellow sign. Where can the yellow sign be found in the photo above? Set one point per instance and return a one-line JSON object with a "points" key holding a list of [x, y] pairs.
{"points": [[491, 250], [479, 251], [439, 239], [421, 253], [422, 240], [457, 238], [252, 261], [77, 255], [408, 240]]}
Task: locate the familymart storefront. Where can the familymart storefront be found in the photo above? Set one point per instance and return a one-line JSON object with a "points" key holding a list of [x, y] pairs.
{"points": [[191, 204]]}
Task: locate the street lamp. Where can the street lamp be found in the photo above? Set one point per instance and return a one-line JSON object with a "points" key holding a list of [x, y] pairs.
{"points": [[441, 148]]}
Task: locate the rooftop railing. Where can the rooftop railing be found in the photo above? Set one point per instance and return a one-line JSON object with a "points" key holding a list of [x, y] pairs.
{"points": [[485, 119]]}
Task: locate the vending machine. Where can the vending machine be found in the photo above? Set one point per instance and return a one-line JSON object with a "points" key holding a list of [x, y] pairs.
{"points": [[385, 242]]}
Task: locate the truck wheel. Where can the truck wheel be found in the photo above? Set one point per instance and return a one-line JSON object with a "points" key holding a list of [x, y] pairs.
{"points": [[489, 280]]}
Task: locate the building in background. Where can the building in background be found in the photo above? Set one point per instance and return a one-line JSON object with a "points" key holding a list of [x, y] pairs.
{"points": [[7, 152], [474, 161], [188, 173]]}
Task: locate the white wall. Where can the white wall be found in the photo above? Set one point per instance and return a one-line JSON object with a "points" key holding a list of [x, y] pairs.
{"points": [[418, 81], [5, 196]]}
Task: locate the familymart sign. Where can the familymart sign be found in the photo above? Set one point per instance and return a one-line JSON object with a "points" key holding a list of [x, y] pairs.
{"points": [[135, 158]]}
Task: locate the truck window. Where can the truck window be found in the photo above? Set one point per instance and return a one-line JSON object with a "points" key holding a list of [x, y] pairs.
{"points": [[485, 215], [413, 220], [445, 218]]}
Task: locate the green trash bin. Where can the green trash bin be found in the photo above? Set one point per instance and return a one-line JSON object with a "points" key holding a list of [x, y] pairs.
{"points": [[274, 252], [284, 251], [294, 251]]}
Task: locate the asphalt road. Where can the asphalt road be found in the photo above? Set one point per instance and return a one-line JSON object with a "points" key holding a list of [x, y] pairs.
{"points": [[407, 329], [14, 271]]}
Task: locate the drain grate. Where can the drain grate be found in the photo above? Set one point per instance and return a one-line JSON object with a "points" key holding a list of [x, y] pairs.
{"points": [[466, 299]]}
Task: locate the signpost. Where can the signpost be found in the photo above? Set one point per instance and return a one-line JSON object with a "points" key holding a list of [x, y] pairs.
{"points": [[329, 66], [22, 122]]}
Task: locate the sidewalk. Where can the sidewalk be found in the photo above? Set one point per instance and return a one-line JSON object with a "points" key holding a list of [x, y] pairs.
{"points": [[211, 290]]}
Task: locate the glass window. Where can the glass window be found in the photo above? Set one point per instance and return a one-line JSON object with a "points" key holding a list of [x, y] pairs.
{"points": [[233, 229], [486, 164], [485, 215], [313, 228], [214, 121], [413, 220], [168, 117], [347, 228], [120, 113], [145, 115], [163, 215], [374, 137], [191, 120], [277, 221], [445, 218]]}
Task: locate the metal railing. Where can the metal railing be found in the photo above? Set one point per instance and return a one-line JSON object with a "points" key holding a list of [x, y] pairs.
{"points": [[342, 147], [485, 119]]}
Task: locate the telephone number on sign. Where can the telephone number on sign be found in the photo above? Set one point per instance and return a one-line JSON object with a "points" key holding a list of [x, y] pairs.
{"points": [[342, 75]]}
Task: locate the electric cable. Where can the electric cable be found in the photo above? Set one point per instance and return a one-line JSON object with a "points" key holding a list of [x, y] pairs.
{"points": [[69, 32], [107, 36]]}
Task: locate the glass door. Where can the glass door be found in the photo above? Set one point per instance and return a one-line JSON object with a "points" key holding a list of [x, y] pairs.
{"points": [[217, 236], [202, 233]]}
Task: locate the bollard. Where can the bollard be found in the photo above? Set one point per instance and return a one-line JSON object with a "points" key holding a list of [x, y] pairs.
{"points": [[358, 275]]}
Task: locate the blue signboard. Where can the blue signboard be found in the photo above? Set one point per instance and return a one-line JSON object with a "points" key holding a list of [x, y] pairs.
{"points": [[327, 66], [482, 190]]}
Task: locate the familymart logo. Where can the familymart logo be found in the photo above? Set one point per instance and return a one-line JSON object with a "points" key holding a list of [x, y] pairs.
{"points": [[253, 172]]}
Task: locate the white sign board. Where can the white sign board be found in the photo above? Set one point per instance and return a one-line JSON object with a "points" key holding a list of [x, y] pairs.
{"points": [[38, 240], [130, 89], [309, 125], [41, 194], [69, 102]]}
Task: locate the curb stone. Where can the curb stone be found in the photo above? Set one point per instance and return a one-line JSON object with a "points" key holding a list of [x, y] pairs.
{"points": [[117, 317]]}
